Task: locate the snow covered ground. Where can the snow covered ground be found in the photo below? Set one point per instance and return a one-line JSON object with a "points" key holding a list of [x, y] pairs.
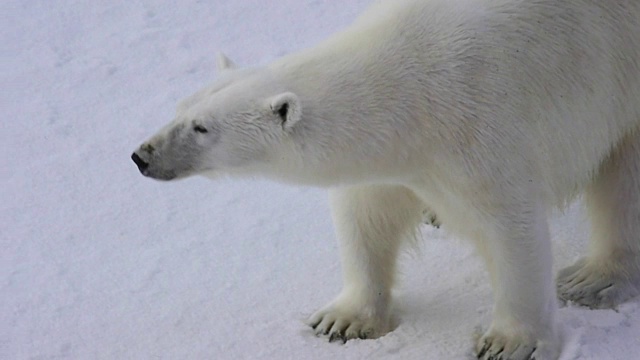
{"points": [[97, 262]]}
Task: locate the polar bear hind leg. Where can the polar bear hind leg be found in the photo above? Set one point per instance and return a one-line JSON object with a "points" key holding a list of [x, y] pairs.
{"points": [[610, 273], [371, 223]]}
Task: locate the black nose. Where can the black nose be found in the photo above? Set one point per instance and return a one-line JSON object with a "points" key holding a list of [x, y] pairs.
{"points": [[142, 165]]}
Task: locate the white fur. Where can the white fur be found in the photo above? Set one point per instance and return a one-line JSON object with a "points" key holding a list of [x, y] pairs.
{"points": [[224, 63], [488, 111]]}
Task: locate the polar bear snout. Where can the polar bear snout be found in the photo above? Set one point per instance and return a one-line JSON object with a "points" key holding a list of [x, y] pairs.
{"points": [[142, 165], [160, 165]]}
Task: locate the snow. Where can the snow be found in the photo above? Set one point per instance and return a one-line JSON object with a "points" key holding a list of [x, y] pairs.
{"points": [[98, 262]]}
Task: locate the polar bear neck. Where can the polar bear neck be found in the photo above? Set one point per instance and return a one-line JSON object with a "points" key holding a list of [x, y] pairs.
{"points": [[377, 94], [348, 118]]}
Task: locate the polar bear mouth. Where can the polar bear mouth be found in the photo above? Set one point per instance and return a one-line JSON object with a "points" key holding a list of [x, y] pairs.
{"points": [[163, 176]]}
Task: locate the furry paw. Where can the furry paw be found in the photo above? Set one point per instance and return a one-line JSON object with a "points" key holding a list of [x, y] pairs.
{"points": [[598, 286], [343, 322], [496, 345]]}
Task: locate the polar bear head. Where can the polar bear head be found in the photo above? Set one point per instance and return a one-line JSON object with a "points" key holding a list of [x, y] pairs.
{"points": [[238, 124]]}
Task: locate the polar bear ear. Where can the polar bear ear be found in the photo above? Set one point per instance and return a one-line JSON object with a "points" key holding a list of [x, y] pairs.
{"points": [[223, 63], [286, 107]]}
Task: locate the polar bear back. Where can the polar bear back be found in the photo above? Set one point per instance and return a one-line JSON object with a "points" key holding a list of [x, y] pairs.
{"points": [[445, 79]]}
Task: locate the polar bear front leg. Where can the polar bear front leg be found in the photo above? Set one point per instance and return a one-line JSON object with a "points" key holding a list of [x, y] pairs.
{"points": [[371, 222], [516, 246]]}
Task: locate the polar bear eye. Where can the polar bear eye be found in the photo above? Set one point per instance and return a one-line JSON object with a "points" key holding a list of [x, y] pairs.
{"points": [[201, 129]]}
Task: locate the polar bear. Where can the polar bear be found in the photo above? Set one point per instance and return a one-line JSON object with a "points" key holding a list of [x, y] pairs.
{"points": [[489, 112]]}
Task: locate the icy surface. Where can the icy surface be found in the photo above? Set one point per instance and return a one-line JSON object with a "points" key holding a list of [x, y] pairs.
{"points": [[97, 262]]}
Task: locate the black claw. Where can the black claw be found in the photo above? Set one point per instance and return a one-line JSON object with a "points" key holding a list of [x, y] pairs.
{"points": [[333, 337], [337, 336], [328, 329], [483, 351], [365, 334], [496, 356], [314, 326]]}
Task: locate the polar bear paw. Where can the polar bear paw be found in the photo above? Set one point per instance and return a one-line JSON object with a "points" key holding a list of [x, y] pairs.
{"points": [[343, 321], [496, 345], [598, 286]]}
